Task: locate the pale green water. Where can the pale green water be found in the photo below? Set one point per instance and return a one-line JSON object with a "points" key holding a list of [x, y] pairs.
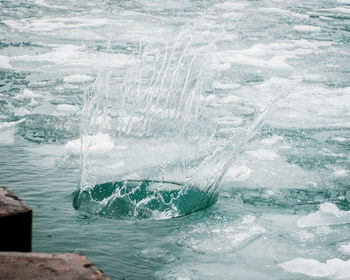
{"points": [[167, 91]]}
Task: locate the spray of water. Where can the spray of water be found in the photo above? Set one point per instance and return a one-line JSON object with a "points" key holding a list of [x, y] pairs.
{"points": [[159, 99], [153, 199]]}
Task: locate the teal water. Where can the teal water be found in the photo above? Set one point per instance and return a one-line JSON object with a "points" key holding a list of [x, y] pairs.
{"points": [[98, 92]]}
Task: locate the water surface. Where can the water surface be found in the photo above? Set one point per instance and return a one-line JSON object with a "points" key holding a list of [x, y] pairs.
{"points": [[166, 90]]}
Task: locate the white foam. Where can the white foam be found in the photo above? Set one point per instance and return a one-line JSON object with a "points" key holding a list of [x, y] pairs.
{"points": [[121, 147], [67, 108], [306, 28], [341, 173], [117, 165], [12, 24], [220, 85], [97, 144], [231, 6], [276, 62], [33, 103], [7, 137], [329, 214], [44, 4], [10, 124], [333, 268], [229, 121], [5, 62], [27, 93], [52, 24], [21, 111], [345, 249], [264, 154], [341, 10], [231, 15], [238, 173], [271, 140], [340, 139], [282, 11], [78, 79], [223, 238], [229, 99], [248, 219], [78, 55]]}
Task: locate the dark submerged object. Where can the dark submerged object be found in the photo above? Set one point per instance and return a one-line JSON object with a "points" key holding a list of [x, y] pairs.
{"points": [[142, 199]]}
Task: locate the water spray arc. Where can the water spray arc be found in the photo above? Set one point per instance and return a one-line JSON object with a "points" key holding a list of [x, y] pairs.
{"points": [[162, 105]]}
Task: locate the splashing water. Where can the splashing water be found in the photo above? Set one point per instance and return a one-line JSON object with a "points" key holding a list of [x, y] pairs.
{"points": [[144, 101], [142, 199], [159, 99], [159, 199]]}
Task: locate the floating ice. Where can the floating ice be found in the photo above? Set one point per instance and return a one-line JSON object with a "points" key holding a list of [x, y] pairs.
{"points": [[345, 249], [78, 79], [333, 268], [339, 139], [27, 93], [341, 173], [97, 144], [339, 10], [10, 124], [238, 173], [231, 6], [77, 55], [7, 137], [229, 99], [306, 28], [222, 238], [67, 108], [5, 62], [271, 140], [329, 214], [220, 85], [264, 154], [21, 111]]}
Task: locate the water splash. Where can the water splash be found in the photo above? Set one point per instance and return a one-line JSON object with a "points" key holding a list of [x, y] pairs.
{"points": [[141, 199], [152, 199], [159, 100]]}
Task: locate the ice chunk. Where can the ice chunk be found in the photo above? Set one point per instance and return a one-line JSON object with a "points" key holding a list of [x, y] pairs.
{"points": [[339, 139], [67, 108], [98, 144], [340, 173], [271, 140], [306, 28], [230, 6], [220, 85], [345, 249], [78, 79], [333, 268], [238, 173], [329, 214], [5, 62], [222, 238], [21, 111], [339, 10], [264, 154], [10, 124]]}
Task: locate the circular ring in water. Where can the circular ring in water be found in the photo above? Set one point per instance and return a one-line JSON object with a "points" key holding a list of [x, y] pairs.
{"points": [[142, 199]]}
